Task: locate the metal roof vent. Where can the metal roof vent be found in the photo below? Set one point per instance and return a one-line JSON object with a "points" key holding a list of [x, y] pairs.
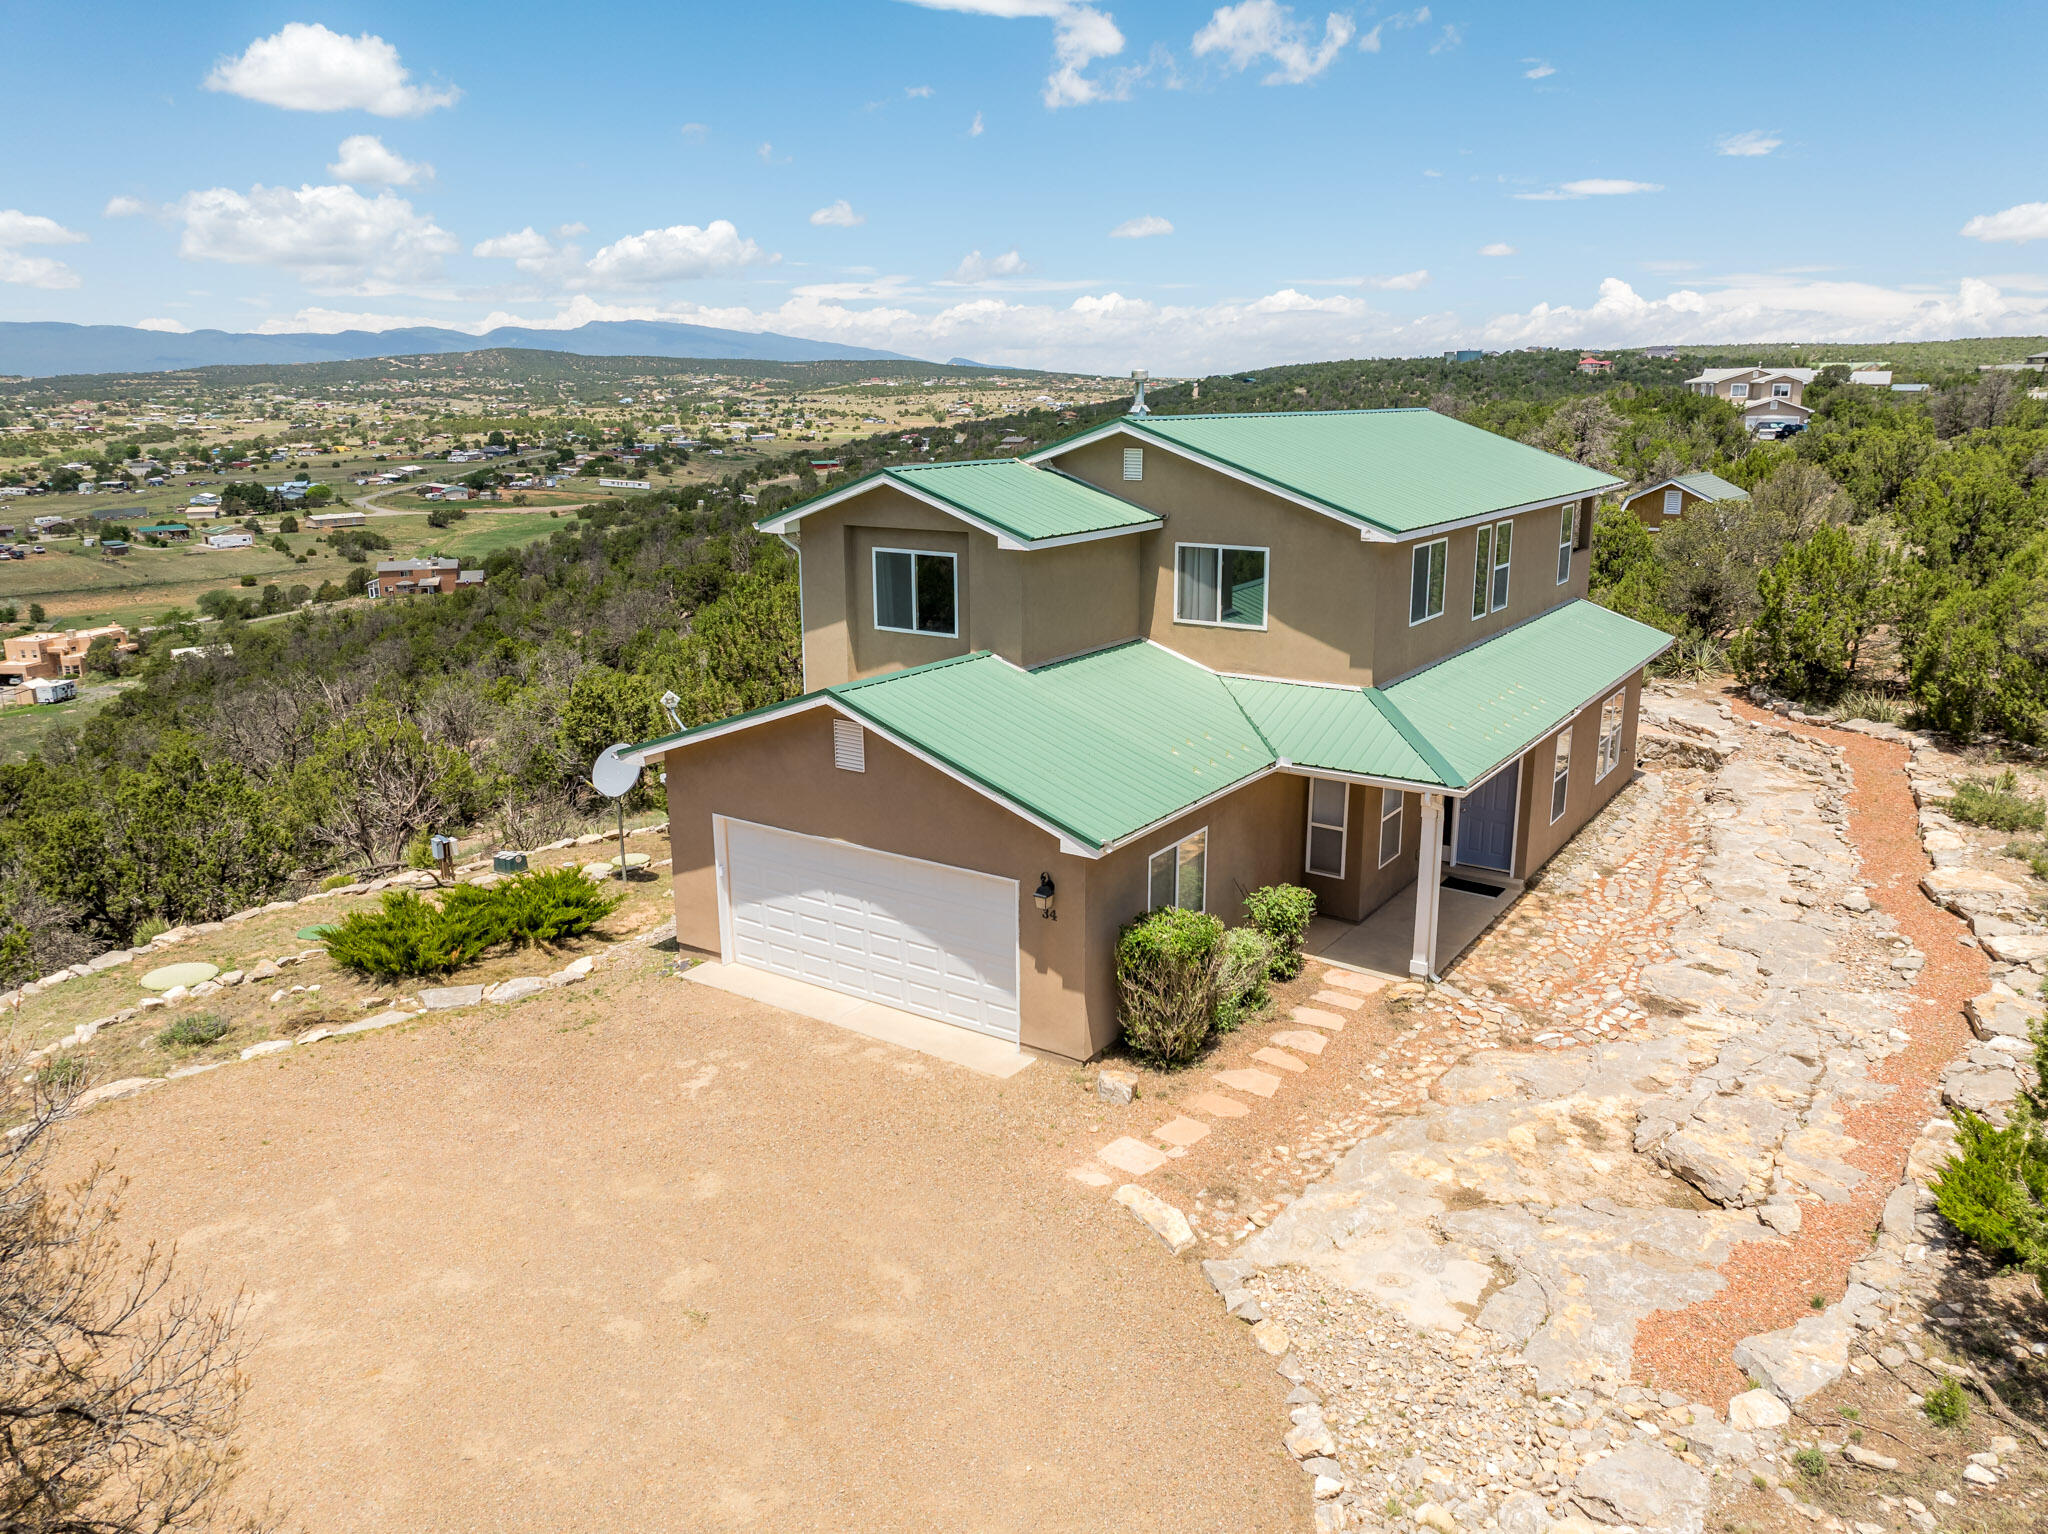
{"points": [[1138, 405]]}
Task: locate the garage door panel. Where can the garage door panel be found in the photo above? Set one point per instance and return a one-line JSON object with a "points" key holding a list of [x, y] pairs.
{"points": [[930, 939]]}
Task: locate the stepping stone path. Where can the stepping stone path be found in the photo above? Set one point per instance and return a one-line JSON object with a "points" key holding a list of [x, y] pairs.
{"points": [[1316, 1018], [1298, 1038], [1182, 1131], [1279, 1059]]}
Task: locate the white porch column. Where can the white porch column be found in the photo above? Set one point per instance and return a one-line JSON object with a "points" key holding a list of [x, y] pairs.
{"points": [[1428, 876]]}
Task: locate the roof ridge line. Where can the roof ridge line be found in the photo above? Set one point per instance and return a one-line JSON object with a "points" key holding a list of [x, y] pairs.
{"points": [[1412, 733]]}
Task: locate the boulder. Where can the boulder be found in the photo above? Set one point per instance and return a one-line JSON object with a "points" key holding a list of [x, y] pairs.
{"points": [[2017, 947], [1116, 1086], [127, 1086], [1154, 1213], [440, 998], [1645, 1487], [515, 988], [1999, 1014], [1797, 1360], [267, 1047]]}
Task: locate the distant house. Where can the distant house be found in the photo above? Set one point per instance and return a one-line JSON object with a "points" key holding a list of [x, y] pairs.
{"points": [[1767, 397], [1668, 499], [1875, 378], [409, 577], [113, 546], [1464, 356], [1592, 364], [50, 655], [170, 532], [323, 521], [2037, 359], [1660, 353], [240, 538]]}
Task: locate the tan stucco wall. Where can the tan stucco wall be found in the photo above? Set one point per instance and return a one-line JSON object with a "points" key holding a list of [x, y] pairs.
{"points": [[1365, 886], [1649, 509], [1078, 598], [1319, 603], [1533, 588], [1538, 839]]}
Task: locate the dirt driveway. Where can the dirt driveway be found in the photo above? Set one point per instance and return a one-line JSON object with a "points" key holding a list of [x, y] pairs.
{"points": [[648, 1256]]}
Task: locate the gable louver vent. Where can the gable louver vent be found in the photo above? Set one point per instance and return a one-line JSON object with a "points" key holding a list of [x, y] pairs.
{"points": [[849, 746]]}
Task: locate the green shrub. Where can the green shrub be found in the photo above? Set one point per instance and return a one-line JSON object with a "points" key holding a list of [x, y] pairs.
{"points": [[1166, 969], [1244, 960], [337, 881], [2033, 853], [1811, 1464], [408, 938], [1878, 707], [543, 907], [191, 1033], [1995, 1190], [151, 930], [1946, 1405], [63, 1074], [1282, 912], [1996, 803]]}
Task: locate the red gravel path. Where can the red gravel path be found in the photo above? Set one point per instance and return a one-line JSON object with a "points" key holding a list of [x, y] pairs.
{"points": [[1770, 1284]]}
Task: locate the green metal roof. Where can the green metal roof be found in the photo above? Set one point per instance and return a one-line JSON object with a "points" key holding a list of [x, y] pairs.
{"points": [[1493, 701], [1106, 744], [1027, 503], [1351, 730], [1711, 487], [1396, 470]]}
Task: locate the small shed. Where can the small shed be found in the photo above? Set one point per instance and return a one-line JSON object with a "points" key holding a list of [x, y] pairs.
{"points": [[1669, 499]]}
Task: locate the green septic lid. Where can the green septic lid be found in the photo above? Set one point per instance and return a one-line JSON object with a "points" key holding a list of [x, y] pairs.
{"points": [[633, 860], [191, 972], [597, 870], [312, 934]]}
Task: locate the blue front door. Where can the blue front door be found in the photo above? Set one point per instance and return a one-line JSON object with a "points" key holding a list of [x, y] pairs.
{"points": [[1486, 821]]}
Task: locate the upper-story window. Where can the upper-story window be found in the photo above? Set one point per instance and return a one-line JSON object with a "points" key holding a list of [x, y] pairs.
{"points": [[1567, 529], [916, 592], [1214, 583], [1426, 580], [1490, 555], [1134, 463], [1781, 391], [1738, 391]]}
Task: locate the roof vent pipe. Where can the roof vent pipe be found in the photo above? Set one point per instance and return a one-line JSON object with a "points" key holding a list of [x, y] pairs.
{"points": [[1138, 405]]}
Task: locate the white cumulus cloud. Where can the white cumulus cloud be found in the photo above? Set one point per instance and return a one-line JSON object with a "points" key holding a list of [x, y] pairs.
{"points": [[124, 207], [168, 327], [839, 215], [1497, 248], [18, 229], [975, 129], [1747, 144], [975, 267], [333, 237], [362, 160], [1081, 35], [1539, 69], [1143, 227], [2016, 225], [1596, 186], [304, 67], [1265, 29], [679, 253]]}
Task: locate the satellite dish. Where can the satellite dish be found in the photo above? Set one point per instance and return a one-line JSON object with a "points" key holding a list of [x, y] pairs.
{"points": [[611, 775]]}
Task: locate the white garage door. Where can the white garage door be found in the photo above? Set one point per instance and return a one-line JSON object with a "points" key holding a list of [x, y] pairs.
{"points": [[930, 939]]}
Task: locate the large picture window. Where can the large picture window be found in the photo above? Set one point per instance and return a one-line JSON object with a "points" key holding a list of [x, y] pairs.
{"points": [[1179, 875], [1610, 737], [1426, 580], [1560, 775], [915, 593], [1328, 811], [1391, 800], [1214, 583]]}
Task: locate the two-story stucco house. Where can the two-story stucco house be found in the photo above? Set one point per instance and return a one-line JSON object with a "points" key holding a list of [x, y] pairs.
{"points": [[1773, 397], [1167, 661]]}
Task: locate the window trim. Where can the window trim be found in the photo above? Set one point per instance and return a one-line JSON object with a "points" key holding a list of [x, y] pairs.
{"points": [[1482, 572], [1781, 391], [1560, 775], [1342, 828], [1398, 814], [1601, 765], [1738, 391], [1567, 540], [875, 594], [1418, 552], [1173, 847], [1219, 622], [1503, 569]]}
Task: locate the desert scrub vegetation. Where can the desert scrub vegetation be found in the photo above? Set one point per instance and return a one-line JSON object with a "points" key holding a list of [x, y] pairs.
{"points": [[1166, 974], [1282, 912], [410, 938], [1995, 803], [1995, 1190], [188, 1035]]}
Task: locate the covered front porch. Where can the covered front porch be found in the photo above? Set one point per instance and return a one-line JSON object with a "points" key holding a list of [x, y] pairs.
{"points": [[1388, 941]]}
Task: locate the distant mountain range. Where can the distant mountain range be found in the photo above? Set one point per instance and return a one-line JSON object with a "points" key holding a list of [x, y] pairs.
{"points": [[41, 349]]}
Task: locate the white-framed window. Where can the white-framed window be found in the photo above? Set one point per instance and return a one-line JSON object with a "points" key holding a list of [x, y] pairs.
{"points": [[1503, 551], [1560, 774], [1567, 529], [1426, 581], [1674, 502], [849, 746], [916, 593], [1217, 584], [1329, 808], [1738, 391], [1610, 737], [1391, 800], [1482, 569], [1781, 391], [1179, 875], [1134, 463]]}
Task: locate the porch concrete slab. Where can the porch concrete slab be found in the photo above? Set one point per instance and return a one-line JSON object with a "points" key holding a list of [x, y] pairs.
{"points": [[1132, 1156], [1258, 1083], [1316, 1018], [1381, 945], [1348, 1000], [1301, 1039], [942, 1041], [1217, 1106], [1182, 1131], [1279, 1059]]}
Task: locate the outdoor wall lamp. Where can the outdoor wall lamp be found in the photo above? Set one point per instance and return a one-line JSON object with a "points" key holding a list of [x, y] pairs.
{"points": [[1043, 895]]}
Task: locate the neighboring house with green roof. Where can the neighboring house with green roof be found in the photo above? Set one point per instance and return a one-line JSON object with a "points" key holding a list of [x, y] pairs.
{"points": [[1166, 661], [1669, 499]]}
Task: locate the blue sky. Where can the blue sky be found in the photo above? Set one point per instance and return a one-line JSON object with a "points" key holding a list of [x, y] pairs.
{"points": [[1103, 185]]}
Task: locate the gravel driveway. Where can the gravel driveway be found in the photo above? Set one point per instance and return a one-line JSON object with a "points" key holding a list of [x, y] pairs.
{"points": [[650, 1256]]}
